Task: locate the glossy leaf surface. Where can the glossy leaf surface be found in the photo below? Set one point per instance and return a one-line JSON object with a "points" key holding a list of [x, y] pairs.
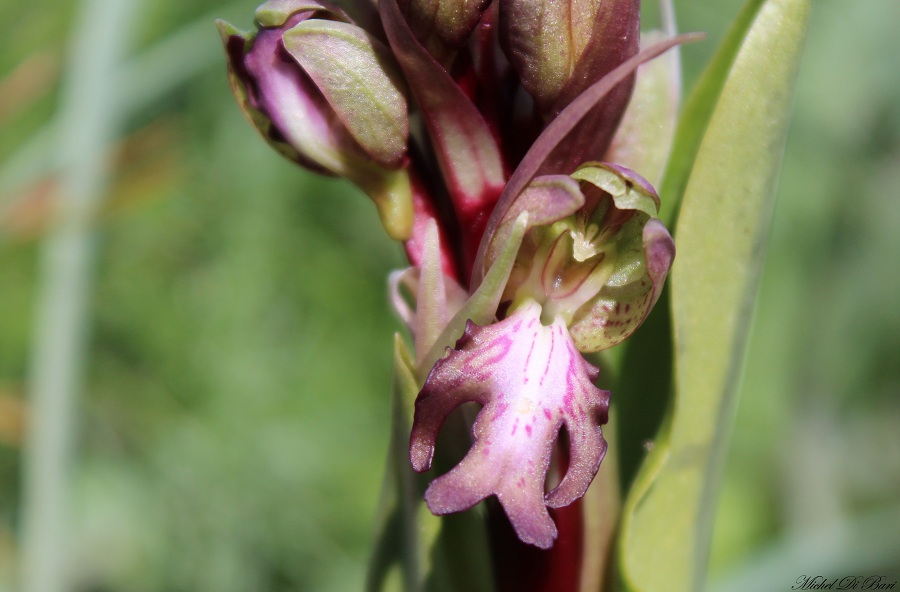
{"points": [[721, 233], [697, 112]]}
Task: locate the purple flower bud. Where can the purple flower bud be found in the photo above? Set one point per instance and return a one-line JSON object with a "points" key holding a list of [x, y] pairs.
{"points": [[328, 95], [442, 26], [560, 48]]}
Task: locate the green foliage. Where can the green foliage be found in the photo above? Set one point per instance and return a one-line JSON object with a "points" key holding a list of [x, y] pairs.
{"points": [[722, 230]]}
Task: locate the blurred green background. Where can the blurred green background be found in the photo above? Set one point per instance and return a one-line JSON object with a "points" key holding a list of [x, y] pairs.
{"points": [[234, 421]]}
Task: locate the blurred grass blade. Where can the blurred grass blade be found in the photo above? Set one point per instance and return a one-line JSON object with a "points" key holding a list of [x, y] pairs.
{"points": [[140, 81], [88, 122], [866, 543], [722, 228]]}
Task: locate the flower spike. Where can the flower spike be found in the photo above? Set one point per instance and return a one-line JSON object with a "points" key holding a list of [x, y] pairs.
{"points": [[479, 128]]}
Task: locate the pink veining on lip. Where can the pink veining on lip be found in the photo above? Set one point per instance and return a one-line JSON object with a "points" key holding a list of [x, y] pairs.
{"points": [[540, 384]]}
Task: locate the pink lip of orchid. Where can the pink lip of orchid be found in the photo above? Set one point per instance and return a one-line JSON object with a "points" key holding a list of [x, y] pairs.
{"points": [[532, 382]]}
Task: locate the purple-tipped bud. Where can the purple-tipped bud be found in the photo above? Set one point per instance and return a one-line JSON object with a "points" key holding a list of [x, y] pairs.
{"points": [[442, 26], [560, 48], [327, 95]]}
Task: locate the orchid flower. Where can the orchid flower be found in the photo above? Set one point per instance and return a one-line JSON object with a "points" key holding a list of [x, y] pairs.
{"points": [[590, 266], [590, 260], [512, 146]]}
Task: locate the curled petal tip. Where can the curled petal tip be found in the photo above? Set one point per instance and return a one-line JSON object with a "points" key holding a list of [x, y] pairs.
{"points": [[584, 462], [633, 179], [659, 251], [420, 455], [275, 13], [454, 492]]}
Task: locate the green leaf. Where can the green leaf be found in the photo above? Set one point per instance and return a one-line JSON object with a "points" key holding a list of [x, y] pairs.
{"points": [[722, 229], [697, 112], [644, 139], [414, 550], [398, 544]]}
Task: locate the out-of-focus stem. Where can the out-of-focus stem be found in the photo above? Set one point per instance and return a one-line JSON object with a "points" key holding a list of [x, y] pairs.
{"points": [[88, 122]]}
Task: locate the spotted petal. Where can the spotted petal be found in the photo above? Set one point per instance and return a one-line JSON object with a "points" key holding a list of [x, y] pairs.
{"points": [[531, 382], [629, 294]]}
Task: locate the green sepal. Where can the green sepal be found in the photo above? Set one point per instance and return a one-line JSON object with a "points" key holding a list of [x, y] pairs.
{"points": [[481, 307], [275, 13], [391, 191], [227, 30], [360, 80], [547, 199]]}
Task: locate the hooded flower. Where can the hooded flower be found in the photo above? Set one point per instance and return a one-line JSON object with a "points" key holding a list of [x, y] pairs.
{"points": [[586, 274]]}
